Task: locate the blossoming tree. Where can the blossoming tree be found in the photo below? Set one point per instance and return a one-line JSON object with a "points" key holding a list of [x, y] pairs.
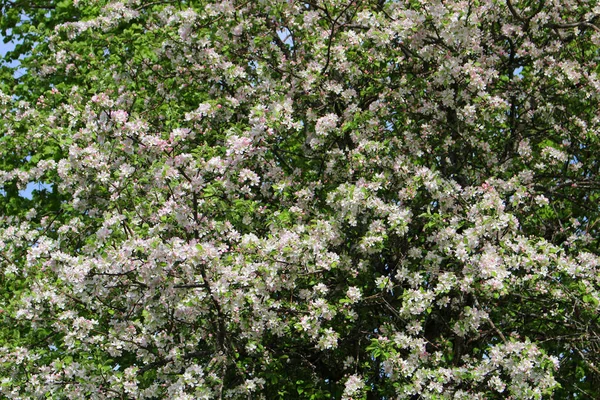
{"points": [[300, 199]]}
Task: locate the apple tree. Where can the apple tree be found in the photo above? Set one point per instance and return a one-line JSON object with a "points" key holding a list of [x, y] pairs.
{"points": [[347, 199]]}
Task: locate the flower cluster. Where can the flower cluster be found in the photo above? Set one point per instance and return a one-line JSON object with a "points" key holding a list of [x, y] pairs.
{"points": [[324, 199]]}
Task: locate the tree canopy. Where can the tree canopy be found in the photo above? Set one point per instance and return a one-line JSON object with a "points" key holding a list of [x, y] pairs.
{"points": [[279, 199]]}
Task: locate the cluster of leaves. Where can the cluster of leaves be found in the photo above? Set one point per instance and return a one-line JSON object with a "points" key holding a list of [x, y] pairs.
{"points": [[300, 199]]}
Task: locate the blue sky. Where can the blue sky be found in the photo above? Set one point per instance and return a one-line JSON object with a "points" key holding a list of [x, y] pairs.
{"points": [[4, 48]]}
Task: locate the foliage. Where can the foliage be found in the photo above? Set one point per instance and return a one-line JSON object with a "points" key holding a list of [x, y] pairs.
{"points": [[300, 199]]}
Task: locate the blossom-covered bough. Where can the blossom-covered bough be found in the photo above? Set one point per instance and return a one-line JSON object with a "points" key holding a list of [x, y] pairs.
{"points": [[300, 199]]}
